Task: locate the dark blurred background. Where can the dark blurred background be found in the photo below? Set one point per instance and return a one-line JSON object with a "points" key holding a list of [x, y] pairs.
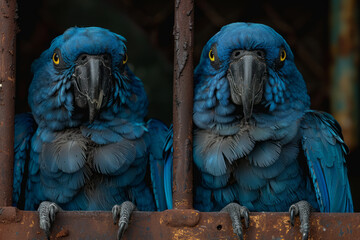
{"points": [[323, 35]]}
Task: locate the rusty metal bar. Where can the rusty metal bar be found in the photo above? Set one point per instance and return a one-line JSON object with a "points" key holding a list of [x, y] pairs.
{"points": [[8, 30], [183, 104], [344, 48], [16, 224]]}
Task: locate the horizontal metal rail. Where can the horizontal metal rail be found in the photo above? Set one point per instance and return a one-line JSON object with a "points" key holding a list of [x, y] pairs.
{"points": [[175, 224]]}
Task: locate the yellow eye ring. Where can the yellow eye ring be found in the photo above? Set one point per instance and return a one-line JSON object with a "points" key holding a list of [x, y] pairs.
{"points": [[282, 55], [125, 59], [211, 55], [56, 58]]}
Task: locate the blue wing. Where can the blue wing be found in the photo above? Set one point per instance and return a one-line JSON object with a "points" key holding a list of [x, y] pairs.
{"points": [[24, 129], [325, 152], [156, 136], [168, 169]]}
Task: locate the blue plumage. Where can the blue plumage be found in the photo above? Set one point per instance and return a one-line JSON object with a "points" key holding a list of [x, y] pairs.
{"points": [[256, 142], [90, 147], [23, 131]]}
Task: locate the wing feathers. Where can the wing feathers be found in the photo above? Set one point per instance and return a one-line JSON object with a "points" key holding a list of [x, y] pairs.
{"points": [[325, 152]]}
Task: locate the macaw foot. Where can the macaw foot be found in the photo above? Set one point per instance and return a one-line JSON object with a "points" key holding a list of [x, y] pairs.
{"points": [[47, 212], [303, 209], [237, 212], [122, 214]]}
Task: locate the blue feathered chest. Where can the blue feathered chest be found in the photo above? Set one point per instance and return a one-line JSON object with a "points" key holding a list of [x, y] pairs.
{"points": [[87, 168], [255, 166]]}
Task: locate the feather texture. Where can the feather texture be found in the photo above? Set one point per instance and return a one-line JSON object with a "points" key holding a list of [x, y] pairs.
{"points": [[325, 150], [277, 153], [24, 129], [79, 156]]}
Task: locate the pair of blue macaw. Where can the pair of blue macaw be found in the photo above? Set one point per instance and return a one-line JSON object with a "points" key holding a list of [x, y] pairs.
{"points": [[257, 144]]}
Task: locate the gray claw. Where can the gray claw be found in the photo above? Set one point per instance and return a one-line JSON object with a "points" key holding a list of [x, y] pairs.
{"points": [[47, 212], [116, 213], [122, 214], [303, 209], [247, 219], [305, 236], [240, 235], [122, 227], [237, 212], [292, 214]]}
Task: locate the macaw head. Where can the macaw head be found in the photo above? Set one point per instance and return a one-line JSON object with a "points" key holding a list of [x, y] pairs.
{"points": [[258, 67], [83, 74]]}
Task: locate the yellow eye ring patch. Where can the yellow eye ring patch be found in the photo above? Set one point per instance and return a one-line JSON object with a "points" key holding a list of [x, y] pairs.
{"points": [[211, 55], [56, 58], [282, 55], [125, 59]]}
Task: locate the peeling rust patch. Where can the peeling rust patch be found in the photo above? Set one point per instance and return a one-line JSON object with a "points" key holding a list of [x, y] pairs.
{"points": [[182, 59], [184, 234], [63, 233]]}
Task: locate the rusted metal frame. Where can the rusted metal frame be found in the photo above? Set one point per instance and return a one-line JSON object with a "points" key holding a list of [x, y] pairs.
{"points": [[181, 223], [8, 30], [15, 224], [344, 68], [183, 104]]}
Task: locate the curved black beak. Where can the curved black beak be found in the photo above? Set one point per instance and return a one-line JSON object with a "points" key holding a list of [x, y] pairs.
{"points": [[246, 76], [92, 78]]}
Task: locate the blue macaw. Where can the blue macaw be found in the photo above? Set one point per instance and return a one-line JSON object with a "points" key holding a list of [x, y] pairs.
{"points": [[85, 145], [257, 144]]}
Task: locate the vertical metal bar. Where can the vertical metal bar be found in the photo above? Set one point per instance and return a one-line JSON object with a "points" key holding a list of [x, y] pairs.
{"points": [[344, 36], [7, 97], [183, 104]]}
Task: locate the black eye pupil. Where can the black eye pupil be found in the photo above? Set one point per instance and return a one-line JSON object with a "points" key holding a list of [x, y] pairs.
{"points": [[56, 57]]}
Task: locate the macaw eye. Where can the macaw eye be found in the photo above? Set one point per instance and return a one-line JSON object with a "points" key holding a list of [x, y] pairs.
{"points": [[56, 58], [211, 55], [125, 58], [282, 55]]}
